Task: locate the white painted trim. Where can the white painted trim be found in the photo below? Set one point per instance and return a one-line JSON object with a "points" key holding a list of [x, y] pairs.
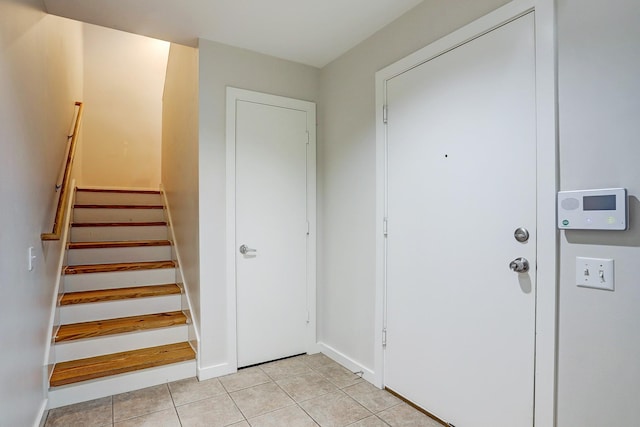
{"points": [[233, 95], [545, 398], [547, 184], [230, 203], [179, 276], [208, 372], [41, 418], [49, 354], [347, 362], [116, 384]]}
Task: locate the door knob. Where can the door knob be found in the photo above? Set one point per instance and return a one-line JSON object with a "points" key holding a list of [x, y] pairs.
{"points": [[519, 265], [244, 249]]}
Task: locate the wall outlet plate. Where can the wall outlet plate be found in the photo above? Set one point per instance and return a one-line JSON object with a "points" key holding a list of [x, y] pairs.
{"points": [[596, 273]]}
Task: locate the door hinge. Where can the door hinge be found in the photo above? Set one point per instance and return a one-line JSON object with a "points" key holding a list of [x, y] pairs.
{"points": [[385, 227], [308, 228], [384, 114], [384, 338], [308, 317], [308, 137]]}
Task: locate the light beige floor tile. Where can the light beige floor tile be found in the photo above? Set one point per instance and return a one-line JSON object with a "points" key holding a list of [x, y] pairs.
{"points": [[335, 410], [316, 360], [370, 422], [291, 367], [338, 375], [371, 397], [141, 402], [240, 424], [90, 414], [244, 378], [166, 418], [261, 399], [216, 411], [291, 416], [406, 416], [306, 387], [192, 390]]}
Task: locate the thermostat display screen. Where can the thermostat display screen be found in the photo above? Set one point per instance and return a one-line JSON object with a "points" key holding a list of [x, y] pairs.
{"points": [[599, 203], [596, 209]]}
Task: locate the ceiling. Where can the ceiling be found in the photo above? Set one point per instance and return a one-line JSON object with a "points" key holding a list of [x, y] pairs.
{"points": [[312, 32]]}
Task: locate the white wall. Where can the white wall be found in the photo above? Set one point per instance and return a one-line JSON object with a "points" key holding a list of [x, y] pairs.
{"points": [[180, 162], [222, 66], [346, 269], [599, 93], [122, 127], [40, 79]]}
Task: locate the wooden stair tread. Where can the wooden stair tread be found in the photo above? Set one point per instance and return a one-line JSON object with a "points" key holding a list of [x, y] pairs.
{"points": [[118, 206], [121, 266], [105, 190], [103, 295], [120, 325], [118, 363], [120, 224], [118, 244]]}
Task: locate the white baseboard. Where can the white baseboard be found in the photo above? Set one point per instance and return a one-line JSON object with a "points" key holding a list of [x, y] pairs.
{"points": [[42, 414], [208, 372], [347, 362]]}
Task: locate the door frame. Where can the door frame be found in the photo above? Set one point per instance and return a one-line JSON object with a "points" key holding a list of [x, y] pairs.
{"points": [[546, 183], [233, 96]]}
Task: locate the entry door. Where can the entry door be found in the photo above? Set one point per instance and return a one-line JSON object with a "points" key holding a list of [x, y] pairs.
{"points": [[272, 229], [461, 179]]}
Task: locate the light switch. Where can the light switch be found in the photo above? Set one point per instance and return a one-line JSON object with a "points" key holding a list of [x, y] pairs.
{"points": [[594, 273], [30, 258]]}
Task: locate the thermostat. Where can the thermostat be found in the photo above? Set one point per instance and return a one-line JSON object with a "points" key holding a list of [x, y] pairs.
{"points": [[602, 209]]}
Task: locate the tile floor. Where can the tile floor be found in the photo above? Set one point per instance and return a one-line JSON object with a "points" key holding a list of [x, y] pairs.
{"points": [[309, 390]]}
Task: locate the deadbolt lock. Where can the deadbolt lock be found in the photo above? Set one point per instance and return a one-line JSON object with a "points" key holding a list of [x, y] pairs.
{"points": [[521, 234]]}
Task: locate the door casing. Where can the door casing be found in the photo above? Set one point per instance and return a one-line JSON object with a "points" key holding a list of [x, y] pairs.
{"points": [[546, 182], [233, 96]]}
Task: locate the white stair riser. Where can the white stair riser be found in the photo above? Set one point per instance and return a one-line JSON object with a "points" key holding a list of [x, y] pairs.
{"points": [[111, 234], [77, 313], [103, 387], [115, 255], [118, 279], [117, 215], [96, 198], [91, 347]]}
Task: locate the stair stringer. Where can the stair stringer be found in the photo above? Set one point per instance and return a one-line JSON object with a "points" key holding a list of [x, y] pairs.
{"points": [[54, 318], [194, 330]]}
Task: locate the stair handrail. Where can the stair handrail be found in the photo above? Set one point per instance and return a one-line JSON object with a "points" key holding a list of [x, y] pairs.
{"points": [[64, 185]]}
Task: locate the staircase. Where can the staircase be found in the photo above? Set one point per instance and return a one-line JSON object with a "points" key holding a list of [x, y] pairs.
{"points": [[121, 324]]}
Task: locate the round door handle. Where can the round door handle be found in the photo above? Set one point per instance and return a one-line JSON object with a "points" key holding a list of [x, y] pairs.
{"points": [[244, 249], [519, 265]]}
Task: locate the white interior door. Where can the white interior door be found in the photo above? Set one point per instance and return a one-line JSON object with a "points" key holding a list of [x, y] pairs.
{"points": [[461, 179], [272, 222]]}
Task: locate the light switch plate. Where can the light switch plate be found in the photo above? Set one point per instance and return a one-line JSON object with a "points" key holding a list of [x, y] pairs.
{"points": [[596, 273]]}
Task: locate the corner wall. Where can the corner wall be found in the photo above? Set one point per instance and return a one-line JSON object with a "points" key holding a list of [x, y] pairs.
{"points": [[180, 163], [599, 111], [40, 79], [222, 66], [347, 171]]}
